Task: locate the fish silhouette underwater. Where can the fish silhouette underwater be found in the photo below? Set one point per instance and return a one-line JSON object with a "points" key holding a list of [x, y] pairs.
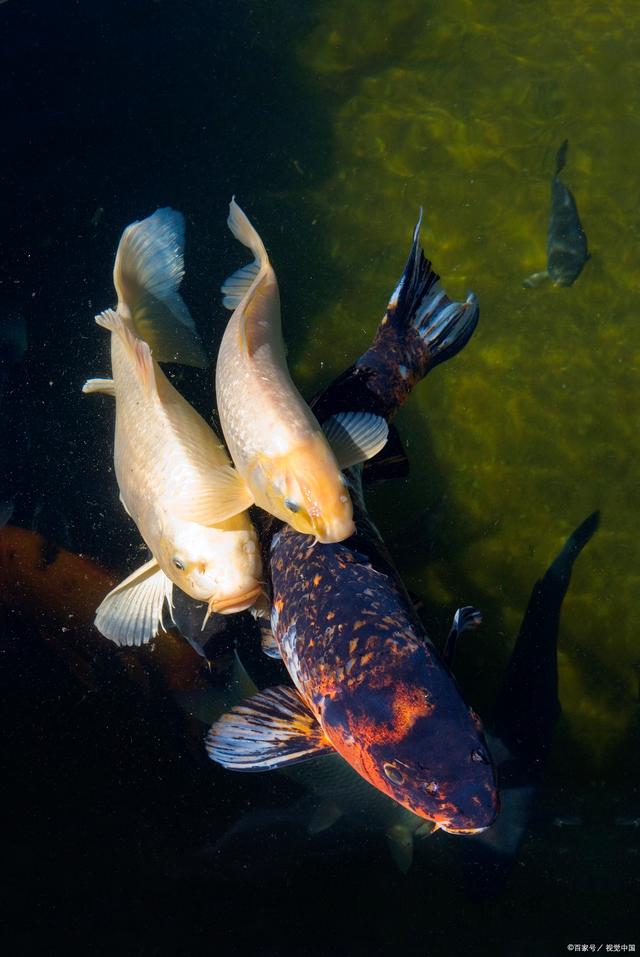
{"points": [[566, 239], [368, 682]]}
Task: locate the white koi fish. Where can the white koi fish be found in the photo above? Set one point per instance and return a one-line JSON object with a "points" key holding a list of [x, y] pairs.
{"points": [[290, 465], [174, 475]]}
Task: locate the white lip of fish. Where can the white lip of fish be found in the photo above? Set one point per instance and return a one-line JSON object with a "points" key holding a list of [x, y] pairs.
{"points": [[175, 478], [291, 465]]}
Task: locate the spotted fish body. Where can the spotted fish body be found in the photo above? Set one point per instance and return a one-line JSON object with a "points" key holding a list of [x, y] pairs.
{"points": [[375, 683], [363, 667], [346, 626]]}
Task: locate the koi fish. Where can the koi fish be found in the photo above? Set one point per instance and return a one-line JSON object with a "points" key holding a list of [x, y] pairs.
{"points": [[368, 682], [274, 439], [566, 239], [520, 735], [174, 475]]}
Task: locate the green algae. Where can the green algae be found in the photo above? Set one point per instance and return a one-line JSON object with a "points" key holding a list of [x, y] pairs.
{"points": [[460, 108]]}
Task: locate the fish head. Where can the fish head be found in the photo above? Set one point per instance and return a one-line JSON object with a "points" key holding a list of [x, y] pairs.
{"points": [[306, 490], [423, 748], [220, 565]]}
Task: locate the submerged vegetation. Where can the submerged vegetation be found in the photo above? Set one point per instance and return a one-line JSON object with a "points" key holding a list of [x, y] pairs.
{"points": [[461, 110]]}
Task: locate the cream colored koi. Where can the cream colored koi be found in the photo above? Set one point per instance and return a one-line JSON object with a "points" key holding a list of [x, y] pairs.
{"points": [[276, 443], [175, 478]]}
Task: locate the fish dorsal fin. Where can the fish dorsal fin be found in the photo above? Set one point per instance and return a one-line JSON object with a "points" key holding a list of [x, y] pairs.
{"points": [[237, 286], [148, 271], [99, 385], [131, 614], [273, 729], [220, 495], [355, 436], [253, 289], [270, 646]]}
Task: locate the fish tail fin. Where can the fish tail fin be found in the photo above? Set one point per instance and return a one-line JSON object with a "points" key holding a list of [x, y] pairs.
{"points": [[561, 157], [148, 271], [236, 286], [562, 566], [419, 301]]}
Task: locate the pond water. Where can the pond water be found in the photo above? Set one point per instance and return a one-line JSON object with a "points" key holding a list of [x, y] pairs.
{"points": [[332, 123]]}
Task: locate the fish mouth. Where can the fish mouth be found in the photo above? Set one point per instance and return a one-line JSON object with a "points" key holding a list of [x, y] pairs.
{"points": [[331, 533], [464, 830], [227, 606]]}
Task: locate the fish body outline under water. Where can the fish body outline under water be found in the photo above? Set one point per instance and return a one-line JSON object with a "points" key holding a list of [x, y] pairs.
{"points": [[566, 239]]}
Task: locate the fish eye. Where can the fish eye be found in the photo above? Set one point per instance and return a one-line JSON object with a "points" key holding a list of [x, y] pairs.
{"points": [[291, 505], [178, 563], [394, 775]]}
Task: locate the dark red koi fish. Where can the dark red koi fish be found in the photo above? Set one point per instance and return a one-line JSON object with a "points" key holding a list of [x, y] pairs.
{"points": [[368, 682]]}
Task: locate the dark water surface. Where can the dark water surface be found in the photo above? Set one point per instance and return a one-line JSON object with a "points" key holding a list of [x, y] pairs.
{"points": [[332, 123]]}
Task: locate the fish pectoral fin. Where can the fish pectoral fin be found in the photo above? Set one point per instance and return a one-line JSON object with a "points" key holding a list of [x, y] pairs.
{"points": [[148, 271], [99, 385], [273, 729], [466, 618], [400, 840], [237, 285], [223, 495], [131, 614], [355, 436], [119, 326], [536, 279], [324, 817], [269, 645]]}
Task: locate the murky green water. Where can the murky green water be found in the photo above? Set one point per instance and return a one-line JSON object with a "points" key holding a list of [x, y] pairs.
{"points": [[461, 108], [332, 123]]}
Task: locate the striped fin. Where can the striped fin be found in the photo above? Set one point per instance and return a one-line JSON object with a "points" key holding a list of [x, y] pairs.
{"points": [[236, 286], [270, 646], [273, 729], [355, 437], [419, 301], [131, 614]]}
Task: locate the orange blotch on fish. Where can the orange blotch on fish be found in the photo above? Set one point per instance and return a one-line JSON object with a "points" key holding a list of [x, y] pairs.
{"points": [[409, 704], [316, 580]]}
